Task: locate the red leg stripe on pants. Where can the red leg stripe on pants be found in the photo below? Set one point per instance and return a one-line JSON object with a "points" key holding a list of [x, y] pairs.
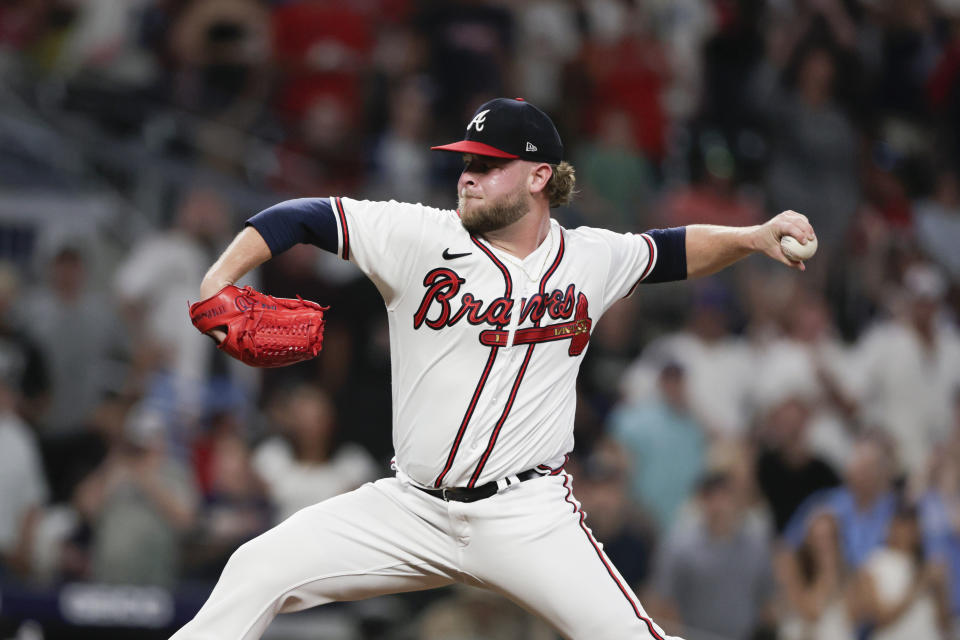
{"points": [[626, 592]]}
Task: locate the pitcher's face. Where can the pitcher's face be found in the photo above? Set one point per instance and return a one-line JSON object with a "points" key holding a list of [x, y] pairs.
{"points": [[492, 193]]}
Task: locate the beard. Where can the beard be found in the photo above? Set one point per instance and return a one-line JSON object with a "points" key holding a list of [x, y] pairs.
{"points": [[494, 216]]}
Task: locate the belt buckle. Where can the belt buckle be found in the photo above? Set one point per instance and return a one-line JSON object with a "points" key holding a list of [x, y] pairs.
{"points": [[443, 494]]}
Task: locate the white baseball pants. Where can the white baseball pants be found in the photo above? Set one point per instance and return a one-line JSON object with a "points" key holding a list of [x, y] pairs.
{"points": [[528, 543]]}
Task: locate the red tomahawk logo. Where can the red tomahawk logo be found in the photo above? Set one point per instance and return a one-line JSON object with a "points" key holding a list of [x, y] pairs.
{"points": [[577, 330]]}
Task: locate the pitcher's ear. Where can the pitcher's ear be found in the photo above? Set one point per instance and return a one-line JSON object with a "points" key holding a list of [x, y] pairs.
{"points": [[539, 177]]}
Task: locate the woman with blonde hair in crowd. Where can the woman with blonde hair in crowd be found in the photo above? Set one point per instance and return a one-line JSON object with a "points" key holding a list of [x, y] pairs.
{"points": [[816, 581]]}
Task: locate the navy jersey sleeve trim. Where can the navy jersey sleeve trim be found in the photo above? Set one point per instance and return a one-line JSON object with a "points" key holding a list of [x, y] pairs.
{"points": [[343, 229], [305, 220], [651, 261], [671, 262]]}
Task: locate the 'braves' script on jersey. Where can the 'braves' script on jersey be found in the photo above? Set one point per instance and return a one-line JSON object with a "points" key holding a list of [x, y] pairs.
{"points": [[443, 285]]}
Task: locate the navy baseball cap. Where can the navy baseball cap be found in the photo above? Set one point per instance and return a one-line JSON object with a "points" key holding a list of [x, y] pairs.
{"points": [[510, 128]]}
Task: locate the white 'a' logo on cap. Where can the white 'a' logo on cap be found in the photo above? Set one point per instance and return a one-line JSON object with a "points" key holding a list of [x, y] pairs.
{"points": [[478, 120]]}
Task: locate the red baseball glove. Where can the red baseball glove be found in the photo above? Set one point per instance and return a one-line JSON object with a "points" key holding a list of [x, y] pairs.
{"points": [[262, 331]]}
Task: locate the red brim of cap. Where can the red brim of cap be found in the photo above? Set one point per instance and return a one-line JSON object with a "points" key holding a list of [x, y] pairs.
{"points": [[478, 148]]}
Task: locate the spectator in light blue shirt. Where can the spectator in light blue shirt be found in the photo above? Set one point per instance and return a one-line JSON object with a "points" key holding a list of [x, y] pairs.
{"points": [[665, 444], [938, 508], [863, 505]]}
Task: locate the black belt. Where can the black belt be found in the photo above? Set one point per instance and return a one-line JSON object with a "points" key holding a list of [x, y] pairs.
{"points": [[465, 494]]}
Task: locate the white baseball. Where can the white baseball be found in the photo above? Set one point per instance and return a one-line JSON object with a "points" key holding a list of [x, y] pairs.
{"points": [[797, 251]]}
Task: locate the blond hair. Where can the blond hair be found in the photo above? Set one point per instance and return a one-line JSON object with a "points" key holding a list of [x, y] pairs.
{"points": [[560, 188]]}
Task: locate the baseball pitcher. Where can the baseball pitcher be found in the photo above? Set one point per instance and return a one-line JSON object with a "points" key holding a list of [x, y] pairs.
{"points": [[490, 308]]}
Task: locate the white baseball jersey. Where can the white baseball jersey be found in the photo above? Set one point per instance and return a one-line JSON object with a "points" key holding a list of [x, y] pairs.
{"points": [[485, 347]]}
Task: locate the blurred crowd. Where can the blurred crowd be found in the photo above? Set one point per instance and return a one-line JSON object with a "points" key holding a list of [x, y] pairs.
{"points": [[764, 454]]}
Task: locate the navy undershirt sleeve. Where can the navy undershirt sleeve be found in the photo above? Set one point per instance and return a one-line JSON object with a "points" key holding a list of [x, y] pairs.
{"points": [[671, 255], [305, 220]]}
